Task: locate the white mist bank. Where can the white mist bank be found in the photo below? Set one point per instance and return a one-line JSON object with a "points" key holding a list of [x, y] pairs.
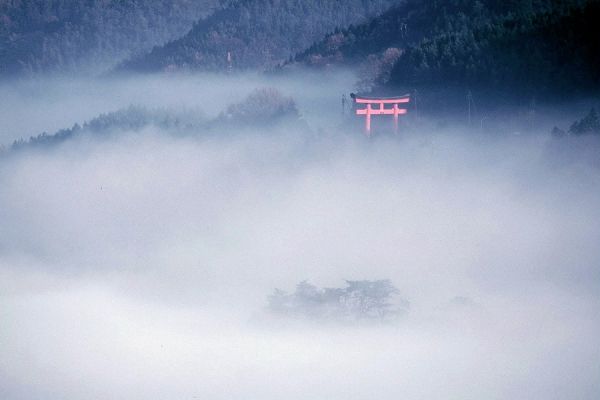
{"points": [[29, 107], [138, 267], [93, 343]]}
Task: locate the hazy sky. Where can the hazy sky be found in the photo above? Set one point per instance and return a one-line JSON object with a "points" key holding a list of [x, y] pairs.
{"points": [[138, 267]]}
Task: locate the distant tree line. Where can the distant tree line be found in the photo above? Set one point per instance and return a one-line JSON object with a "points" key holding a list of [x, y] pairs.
{"points": [[130, 119], [588, 125], [263, 108]]}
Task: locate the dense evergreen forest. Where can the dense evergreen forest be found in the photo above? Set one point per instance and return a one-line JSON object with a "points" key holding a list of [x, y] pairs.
{"points": [[64, 35], [412, 21], [554, 53], [525, 47], [257, 33]]}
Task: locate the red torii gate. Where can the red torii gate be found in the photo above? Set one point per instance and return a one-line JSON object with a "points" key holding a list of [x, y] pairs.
{"points": [[376, 106]]}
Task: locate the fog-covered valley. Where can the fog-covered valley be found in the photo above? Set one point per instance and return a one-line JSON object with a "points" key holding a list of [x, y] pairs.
{"points": [[136, 263]]}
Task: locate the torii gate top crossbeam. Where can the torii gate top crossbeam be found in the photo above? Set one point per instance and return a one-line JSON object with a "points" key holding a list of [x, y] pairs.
{"points": [[384, 100]]}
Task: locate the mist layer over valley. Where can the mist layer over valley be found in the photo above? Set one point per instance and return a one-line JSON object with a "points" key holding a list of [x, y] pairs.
{"points": [[136, 261], [357, 199]]}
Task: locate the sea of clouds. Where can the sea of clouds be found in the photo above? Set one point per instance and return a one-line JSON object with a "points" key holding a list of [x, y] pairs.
{"points": [[137, 267]]}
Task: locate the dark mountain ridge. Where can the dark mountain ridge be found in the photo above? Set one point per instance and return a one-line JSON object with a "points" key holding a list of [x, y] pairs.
{"points": [[256, 34], [520, 47], [71, 36]]}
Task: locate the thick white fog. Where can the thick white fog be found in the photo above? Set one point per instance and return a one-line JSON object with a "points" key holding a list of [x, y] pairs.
{"points": [[138, 267], [29, 107]]}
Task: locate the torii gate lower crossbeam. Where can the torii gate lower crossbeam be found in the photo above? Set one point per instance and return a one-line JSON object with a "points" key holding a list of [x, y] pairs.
{"points": [[376, 106]]}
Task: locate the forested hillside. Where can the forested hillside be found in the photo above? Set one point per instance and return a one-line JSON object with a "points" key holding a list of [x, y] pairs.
{"points": [[262, 108], [258, 33], [555, 53], [130, 119], [61, 35], [541, 46], [406, 23]]}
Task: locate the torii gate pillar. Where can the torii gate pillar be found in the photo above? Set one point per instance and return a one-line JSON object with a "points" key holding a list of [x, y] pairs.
{"points": [[396, 111]]}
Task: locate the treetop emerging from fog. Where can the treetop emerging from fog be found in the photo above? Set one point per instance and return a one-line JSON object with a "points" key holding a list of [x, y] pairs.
{"points": [[260, 106], [359, 301]]}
